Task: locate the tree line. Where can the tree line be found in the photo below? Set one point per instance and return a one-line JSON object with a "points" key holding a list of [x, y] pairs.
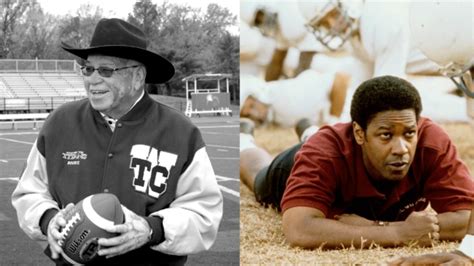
{"points": [[195, 41]]}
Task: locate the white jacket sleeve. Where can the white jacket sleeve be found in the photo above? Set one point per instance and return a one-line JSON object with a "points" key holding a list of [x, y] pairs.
{"points": [[31, 197], [191, 222]]}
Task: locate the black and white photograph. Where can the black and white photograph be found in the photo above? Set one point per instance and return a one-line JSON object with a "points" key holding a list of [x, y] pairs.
{"points": [[119, 132]]}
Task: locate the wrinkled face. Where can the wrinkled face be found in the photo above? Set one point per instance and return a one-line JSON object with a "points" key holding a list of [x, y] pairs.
{"points": [[388, 144], [112, 95], [254, 109]]}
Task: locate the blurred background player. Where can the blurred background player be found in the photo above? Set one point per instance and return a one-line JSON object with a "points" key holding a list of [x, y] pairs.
{"points": [[379, 38], [444, 33], [275, 28], [379, 41], [317, 97], [378, 33]]}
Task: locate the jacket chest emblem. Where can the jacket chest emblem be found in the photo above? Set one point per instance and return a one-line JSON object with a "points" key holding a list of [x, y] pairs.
{"points": [[151, 168], [74, 157]]}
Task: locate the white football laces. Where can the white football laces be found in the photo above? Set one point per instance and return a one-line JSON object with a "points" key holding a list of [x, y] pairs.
{"points": [[69, 225]]}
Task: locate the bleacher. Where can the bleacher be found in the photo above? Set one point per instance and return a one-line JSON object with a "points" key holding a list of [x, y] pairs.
{"points": [[30, 89], [38, 85]]}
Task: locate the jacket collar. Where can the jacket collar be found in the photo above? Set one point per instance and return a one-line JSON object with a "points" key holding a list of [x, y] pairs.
{"points": [[139, 110], [136, 114]]}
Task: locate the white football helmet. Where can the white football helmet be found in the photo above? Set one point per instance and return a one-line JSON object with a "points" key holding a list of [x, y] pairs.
{"points": [[444, 32], [253, 86], [332, 21], [266, 20], [261, 15]]}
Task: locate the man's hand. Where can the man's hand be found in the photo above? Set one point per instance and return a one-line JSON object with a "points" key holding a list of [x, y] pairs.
{"points": [[353, 219], [55, 224], [134, 233], [419, 226], [453, 258]]}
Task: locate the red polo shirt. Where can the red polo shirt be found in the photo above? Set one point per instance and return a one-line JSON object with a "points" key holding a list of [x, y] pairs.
{"points": [[329, 175]]}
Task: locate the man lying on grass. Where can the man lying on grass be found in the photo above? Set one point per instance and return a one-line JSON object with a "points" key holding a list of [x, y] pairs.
{"points": [[368, 181]]}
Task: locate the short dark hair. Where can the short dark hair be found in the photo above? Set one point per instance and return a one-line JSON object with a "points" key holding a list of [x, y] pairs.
{"points": [[383, 94]]}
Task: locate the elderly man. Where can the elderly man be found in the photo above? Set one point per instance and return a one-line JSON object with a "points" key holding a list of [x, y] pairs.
{"points": [[369, 180], [147, 154]]}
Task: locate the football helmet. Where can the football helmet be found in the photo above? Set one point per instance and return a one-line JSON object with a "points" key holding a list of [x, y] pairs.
{"points": [[332, 22], [444, 32], [266, 20], [261, 15]]}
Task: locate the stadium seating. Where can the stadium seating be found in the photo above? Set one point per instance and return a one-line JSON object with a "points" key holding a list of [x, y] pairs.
{"points": [[39, 91]]}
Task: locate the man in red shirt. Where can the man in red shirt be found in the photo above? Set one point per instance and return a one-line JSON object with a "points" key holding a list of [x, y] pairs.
{"points": [[370, 180]]}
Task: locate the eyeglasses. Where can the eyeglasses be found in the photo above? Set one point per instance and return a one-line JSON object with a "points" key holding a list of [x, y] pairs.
{"points": [[105, 72]]}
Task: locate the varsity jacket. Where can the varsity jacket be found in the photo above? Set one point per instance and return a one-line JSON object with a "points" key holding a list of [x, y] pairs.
{"points": [[155, 162]]}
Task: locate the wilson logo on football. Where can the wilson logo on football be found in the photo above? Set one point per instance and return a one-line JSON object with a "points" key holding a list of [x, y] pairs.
{"points": [[74, 157], [86, 223], [71, 221]]}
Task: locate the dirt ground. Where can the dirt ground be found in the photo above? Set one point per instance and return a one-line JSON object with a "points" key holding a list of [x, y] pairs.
{"points": [[261, 237]]}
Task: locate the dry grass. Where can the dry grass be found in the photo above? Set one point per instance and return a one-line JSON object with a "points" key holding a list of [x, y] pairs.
{"points": [[261, 237]]}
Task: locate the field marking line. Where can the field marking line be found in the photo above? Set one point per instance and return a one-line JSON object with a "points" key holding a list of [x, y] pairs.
{"points": [[218, 133], [17, 141], [20, 133], [223, 178], [230, 191], [222, 121], [4, 217], [12, 159], [16, 179], [225, 147], [233, 126]]}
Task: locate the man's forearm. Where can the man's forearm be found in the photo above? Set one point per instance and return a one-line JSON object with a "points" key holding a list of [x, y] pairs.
{"points": [[315, 231], [453, 225]]}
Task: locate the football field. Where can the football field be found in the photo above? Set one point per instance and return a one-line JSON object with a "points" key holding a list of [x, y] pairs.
{"points": [[221, 137]]}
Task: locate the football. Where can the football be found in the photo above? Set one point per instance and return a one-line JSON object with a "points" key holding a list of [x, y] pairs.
{"points": [[86, 223]]}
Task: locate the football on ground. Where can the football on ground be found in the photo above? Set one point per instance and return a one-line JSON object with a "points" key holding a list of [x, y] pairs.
{"points": [[86, 223]]}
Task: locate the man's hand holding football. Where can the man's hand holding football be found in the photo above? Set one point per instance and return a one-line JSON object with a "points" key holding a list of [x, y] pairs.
{"points": [[54, 227], [134, 233]]}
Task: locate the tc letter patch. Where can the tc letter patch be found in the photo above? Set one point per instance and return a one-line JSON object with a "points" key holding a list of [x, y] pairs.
{"points": [[151, 169]]}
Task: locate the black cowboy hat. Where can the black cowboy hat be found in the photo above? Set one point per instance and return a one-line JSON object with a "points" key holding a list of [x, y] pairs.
{"points": [[118, 38]]}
